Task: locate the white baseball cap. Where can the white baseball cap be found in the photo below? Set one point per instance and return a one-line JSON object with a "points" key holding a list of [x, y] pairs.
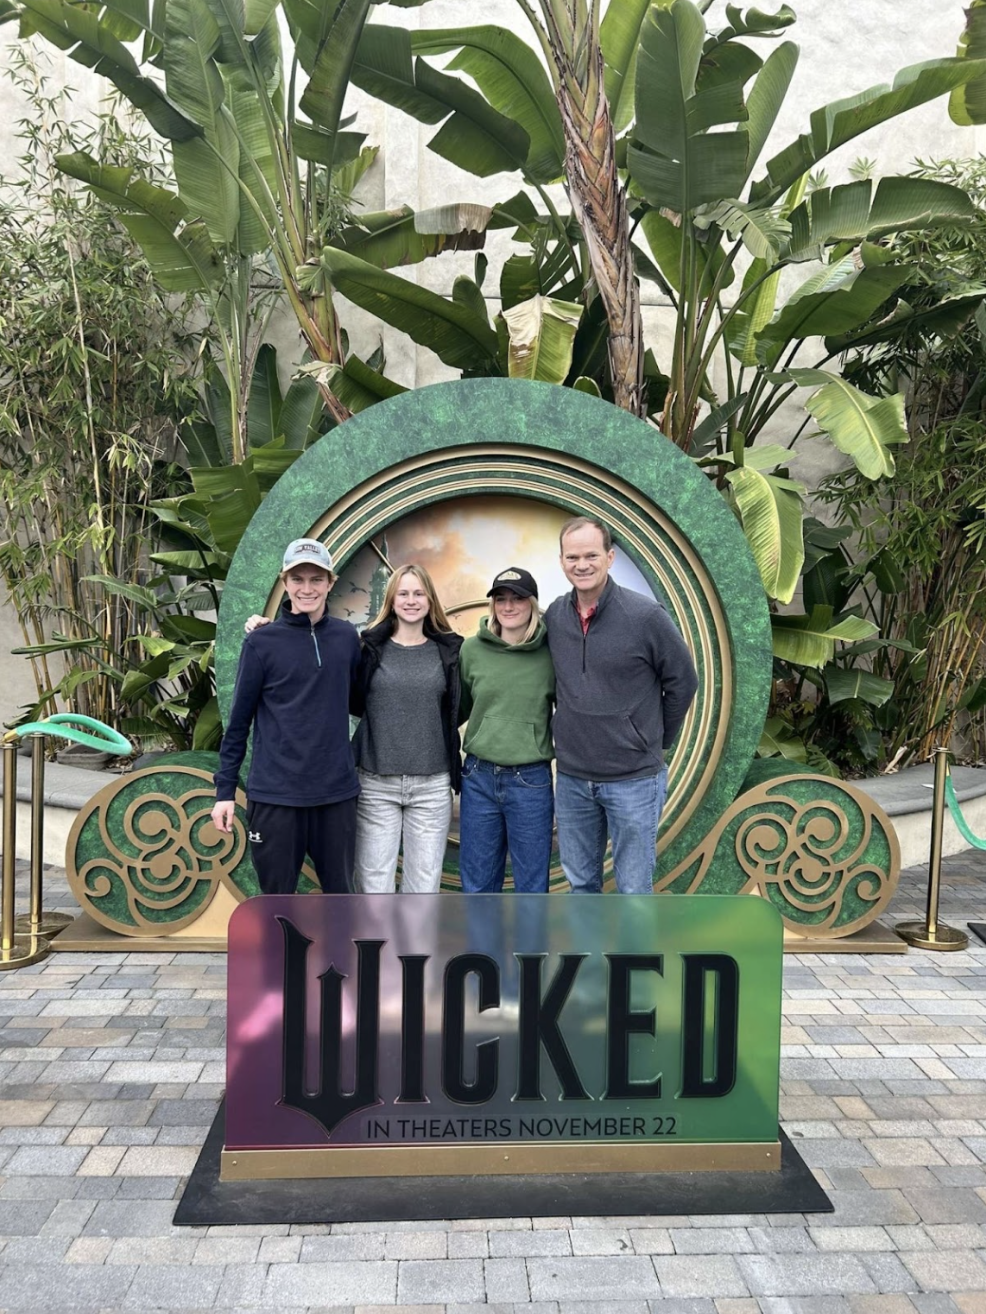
{"points": [[307, 551]]}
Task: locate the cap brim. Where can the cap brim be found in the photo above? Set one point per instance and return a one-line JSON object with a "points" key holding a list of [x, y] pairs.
{"points": [[305, 560]]}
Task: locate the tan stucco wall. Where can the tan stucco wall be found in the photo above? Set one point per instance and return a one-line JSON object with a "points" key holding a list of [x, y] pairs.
{"points": [[846, 47]]}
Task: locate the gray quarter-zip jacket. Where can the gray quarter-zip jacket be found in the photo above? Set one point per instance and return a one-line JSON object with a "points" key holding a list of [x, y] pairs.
{"points": [[623, 689]]}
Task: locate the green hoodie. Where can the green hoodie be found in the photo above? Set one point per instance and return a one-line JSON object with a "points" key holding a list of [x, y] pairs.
{"points": [[508, 692]]}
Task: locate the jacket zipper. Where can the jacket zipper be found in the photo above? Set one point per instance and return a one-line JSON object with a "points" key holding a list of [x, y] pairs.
{"points": [[585, 632], [318, 655]]}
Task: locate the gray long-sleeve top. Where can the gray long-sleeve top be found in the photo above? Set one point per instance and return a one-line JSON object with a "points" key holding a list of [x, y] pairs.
{"points": [[623, 689]]}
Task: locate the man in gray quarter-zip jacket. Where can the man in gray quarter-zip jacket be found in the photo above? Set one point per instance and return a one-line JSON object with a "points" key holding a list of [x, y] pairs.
{"points": [[293, 686], [625, 680]]}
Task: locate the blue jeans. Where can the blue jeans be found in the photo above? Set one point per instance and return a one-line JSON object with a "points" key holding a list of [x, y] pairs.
{"points": [[628, 811], [505, 808]]}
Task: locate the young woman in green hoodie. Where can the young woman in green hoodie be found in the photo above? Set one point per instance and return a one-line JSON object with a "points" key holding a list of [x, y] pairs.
{"points": [[508, 692]]}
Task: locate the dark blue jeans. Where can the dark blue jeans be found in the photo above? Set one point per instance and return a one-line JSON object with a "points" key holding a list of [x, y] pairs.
{"points": [[508, 808]]}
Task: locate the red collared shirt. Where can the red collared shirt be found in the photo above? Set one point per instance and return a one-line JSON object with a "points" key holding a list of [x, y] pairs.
{"points": [[586, 618]]}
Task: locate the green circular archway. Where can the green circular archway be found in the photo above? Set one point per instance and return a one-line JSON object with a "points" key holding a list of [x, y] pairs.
{"points": [[554, 445]]}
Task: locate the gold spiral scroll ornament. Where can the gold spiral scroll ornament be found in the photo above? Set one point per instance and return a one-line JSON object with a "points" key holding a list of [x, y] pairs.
{"points": [[822, 852], [144, 858]]}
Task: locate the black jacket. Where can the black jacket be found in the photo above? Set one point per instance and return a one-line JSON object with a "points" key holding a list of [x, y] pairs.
{"points": [[293, 686], [448, 648]]}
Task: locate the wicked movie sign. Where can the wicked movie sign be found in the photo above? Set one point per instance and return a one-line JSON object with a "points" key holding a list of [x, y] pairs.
{"points": [[435, 1034]]}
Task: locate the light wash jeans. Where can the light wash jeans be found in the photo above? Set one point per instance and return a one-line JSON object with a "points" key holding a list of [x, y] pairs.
{"points": [[629, 811], [389, 808]]}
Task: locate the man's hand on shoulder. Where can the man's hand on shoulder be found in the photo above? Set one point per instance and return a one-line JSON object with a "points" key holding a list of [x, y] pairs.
{"points": [[255, 622]]}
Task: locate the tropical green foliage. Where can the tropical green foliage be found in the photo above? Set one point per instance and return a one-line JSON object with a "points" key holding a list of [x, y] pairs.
{"points": [[99, 413], [162, 673], [265, 168], [705, 104], [94, 381], [696, 107], [920, 553], [909, 554], [967, 103]]}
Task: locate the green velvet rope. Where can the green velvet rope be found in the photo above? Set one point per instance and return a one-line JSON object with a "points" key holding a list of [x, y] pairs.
{"points": [[957, 817], [66, 725]]}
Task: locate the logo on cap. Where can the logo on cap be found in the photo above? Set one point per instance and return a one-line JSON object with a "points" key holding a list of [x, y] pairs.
{"points": [[311, 548], [507, 574]]}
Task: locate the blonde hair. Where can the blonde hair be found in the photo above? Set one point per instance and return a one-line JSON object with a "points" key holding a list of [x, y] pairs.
{"points": [[436, 612], [494, 627]]}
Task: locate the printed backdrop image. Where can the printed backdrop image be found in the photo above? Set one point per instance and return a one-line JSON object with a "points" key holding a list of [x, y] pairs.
{"points": [[462, 544]]}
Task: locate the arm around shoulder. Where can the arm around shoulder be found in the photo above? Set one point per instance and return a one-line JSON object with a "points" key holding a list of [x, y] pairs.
{"points": [[357, 682]]}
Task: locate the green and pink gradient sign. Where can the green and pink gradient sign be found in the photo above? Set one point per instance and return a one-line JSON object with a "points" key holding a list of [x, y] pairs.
{"points": [[376, 1020]]}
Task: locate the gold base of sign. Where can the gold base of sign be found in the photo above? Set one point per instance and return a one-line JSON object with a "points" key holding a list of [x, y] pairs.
{"points": [[86, 936], [24, 950], [495, 1160], [49, 924], [872, 939], [946, 939]]}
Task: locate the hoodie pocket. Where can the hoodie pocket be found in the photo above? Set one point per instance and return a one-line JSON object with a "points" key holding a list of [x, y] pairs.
{"points": [[603, 744], [504, 740]]}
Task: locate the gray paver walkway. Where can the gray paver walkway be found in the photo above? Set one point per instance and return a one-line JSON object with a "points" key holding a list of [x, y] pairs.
{"points": [[111, 1069]]}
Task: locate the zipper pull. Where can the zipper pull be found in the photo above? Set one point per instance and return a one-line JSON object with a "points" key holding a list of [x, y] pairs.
{"points": [[318, 655]]}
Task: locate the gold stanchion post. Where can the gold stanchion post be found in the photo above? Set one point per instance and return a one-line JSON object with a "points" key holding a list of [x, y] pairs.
{"points": [[931, 933], [15, 950], [37, 921]]}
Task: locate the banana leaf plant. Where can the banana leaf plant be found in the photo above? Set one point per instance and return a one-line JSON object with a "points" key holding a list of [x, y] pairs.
{"points": [[713, 228], [263, 161], [695, 108], [721, 229], [830, 709], [547, 119], [967, 103]]}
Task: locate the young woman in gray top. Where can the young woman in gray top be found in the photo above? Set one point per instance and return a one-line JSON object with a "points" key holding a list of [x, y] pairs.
{"points": [[407, 744]]}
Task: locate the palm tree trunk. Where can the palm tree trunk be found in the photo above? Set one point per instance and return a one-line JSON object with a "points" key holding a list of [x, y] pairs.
{"points": [[320, 329], [600, 205]]}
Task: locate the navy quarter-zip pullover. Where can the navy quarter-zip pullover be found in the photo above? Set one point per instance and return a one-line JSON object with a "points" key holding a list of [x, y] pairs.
{"points": [[293, 684]]}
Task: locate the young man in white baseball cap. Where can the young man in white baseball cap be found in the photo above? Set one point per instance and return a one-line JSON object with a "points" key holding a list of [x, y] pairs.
{"points": [[293, 688]]}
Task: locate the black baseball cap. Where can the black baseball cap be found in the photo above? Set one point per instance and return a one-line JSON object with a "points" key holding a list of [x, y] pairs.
{"points": [[518, 581]]}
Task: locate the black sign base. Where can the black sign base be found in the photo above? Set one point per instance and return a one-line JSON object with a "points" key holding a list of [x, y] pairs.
{"points": [[978, 928], [209, 1202]]}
